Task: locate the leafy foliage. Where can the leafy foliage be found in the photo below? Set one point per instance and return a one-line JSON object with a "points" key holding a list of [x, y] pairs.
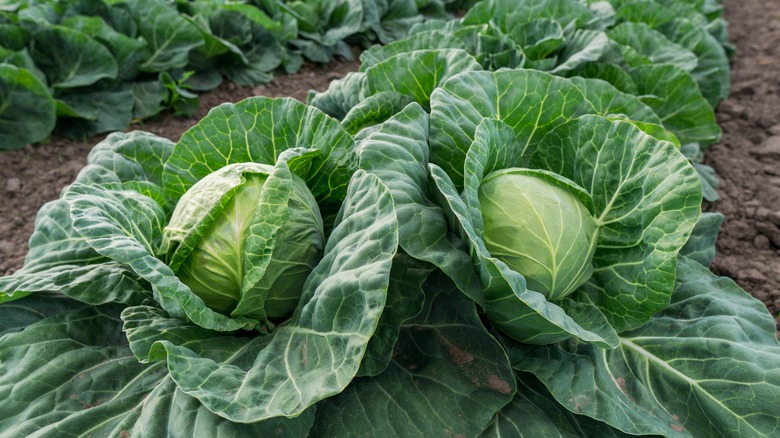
{"points": [[410, 320]]}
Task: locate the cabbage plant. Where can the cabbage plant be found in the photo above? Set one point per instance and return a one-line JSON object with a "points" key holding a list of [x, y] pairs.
{"points": [[252, 250]]}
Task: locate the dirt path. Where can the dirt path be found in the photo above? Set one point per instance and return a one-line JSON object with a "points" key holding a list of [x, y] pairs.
{"points": [[747, 160]]}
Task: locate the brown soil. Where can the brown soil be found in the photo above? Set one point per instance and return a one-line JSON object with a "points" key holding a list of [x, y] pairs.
{"points": [[747, 160], [35, 175]]}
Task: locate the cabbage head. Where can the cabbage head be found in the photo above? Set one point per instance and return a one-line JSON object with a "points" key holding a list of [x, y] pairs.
{"points": [[537, 223], [573, 218], [207, 237]]}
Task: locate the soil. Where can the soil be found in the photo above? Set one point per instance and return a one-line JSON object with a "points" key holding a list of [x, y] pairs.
{"points": [[747, 160]]}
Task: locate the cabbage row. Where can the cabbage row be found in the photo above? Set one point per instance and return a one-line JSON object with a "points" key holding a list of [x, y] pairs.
{"points": [[81, 68], [439, 245], [660, 63]]}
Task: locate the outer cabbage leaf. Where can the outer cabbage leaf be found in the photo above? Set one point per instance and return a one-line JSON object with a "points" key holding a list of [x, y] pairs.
{"points": [[443, 354], [341, 96], [60, 259], [508, 14], [653, 45], [582, 47], [674, 95], [712, 71], [169, 36], [70, 372], [95, 112], [520, 98], [27, 110], [397, 152], [375, 109], [70, 58], [701, 246], [429, 40], [609, 101], [706, 365], [534, 412], [418, 73]]}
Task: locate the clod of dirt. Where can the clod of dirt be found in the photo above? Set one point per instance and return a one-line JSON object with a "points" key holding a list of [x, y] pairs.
{"points": [[769, 150], [761, 242], [12, 185], [769, 230], [751, 275], [6, 247], [732, 108]]}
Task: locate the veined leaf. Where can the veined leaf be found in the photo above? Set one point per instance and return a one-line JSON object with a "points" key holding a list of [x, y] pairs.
{"points": [[704, 366], [27, 110]]}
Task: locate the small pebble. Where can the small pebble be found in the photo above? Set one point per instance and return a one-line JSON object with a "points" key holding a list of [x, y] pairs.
{"points": [[775, 130], [6, 246], [13, 185], [761, 242]]}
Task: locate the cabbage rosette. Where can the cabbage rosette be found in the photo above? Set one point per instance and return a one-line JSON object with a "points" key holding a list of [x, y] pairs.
{"points": [[253, 260], [573, 221]]}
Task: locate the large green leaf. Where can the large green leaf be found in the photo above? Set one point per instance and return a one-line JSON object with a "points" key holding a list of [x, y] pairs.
{"points": [[70, 373], [374, 110], [523, 99], [418, 73], [674, 95], [327, 22], [608, 101], [582, 47], [653, 45], [127, 51], [70, 58], [60, 260], [341, 96], [27, 110], [134, 156], [539, 38], [509, 14], [169, 36], [397, 152], [429, 40], [97, 111], [447, 378], [712, 71], [535, 413], [259, 129], [319, 351], [701, 246], [708, 365], [405, 298]]}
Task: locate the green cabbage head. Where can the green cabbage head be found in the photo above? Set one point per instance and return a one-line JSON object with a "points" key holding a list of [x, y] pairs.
{"points": [[538, 224], [220, 230]]}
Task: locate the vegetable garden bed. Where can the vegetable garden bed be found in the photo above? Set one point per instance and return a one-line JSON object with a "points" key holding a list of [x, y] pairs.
{"points": [[401, 254]]}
